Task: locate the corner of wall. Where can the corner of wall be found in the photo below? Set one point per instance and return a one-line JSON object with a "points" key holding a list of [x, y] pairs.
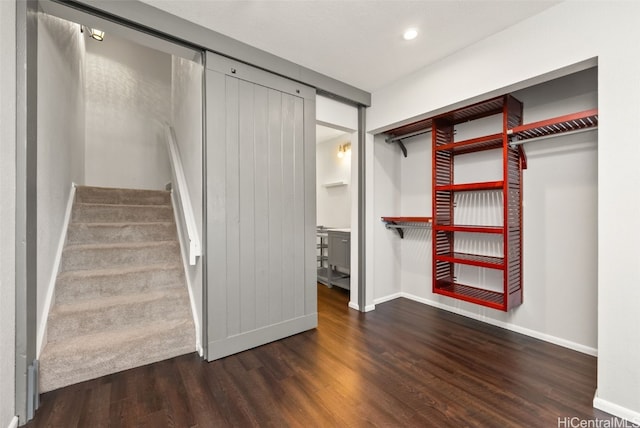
{"points": [[387, 298], [616, 410]]}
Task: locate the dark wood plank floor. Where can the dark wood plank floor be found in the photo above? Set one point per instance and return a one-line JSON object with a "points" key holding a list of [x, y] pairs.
{"points": [[403, 365]]}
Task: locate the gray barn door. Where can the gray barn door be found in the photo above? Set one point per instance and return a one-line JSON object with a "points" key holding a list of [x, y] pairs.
{"points": [[260, 166]]}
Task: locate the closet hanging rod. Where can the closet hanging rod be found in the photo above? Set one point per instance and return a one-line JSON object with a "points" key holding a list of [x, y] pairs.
{"points": [[406, 226], [515, 143], [398, 139], [395, 138], [399, 227]]}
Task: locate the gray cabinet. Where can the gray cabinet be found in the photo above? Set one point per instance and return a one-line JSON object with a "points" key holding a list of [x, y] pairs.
{"points": [[339, 249], [339, 257]]}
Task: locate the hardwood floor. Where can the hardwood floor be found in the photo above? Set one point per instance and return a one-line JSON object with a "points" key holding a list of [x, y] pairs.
{"points": [[403, 365]]}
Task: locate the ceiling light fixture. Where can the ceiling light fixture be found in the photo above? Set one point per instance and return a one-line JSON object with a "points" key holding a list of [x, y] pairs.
{"points": [[410, 34], [96, 34]]}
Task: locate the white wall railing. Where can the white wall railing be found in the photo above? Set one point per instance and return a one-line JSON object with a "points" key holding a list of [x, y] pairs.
{"points": [[184, 210]]}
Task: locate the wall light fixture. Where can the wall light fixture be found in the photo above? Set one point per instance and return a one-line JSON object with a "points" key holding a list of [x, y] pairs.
{"points": [[344, 149]]}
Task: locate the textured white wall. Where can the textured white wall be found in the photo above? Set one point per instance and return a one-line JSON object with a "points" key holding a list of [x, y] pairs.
{"points": [[510, 59], [60, 137], [333, 204], [7, 209], [128, 96], [186, 111]]}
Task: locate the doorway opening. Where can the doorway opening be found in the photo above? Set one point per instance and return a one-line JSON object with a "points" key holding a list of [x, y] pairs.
{"points": [[335, 196], [128, 103]]}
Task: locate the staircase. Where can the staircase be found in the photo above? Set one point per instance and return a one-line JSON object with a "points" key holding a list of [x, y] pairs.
{"points": [[121, 299]]}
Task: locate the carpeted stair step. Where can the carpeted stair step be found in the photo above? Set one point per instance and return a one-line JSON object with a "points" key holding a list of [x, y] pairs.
{"points": [[93, 233], [80, 285], [91, 356], [106, 195], [102, 256], [108, 213], [121, 299], [115, 313]]}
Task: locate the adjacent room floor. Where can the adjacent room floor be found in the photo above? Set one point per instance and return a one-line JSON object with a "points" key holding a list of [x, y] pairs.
{"points": [[403, 365]]}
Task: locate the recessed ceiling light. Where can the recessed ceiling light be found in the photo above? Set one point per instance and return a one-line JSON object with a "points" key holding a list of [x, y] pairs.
{"points": [[410, 34]]}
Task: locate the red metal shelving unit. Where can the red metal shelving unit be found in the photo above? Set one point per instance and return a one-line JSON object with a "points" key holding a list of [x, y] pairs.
{"points": [[507, 145], [445, 258]]}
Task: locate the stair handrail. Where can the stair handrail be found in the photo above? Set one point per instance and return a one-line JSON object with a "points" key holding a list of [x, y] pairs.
{"points": [[182, 189]]}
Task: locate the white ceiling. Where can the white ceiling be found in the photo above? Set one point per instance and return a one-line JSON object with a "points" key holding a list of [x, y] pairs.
{"points": [[358, 42]]}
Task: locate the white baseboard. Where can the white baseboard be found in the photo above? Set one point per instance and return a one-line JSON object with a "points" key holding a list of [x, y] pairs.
{"points": [[387, 298], [13, 423], [367, 308], [622, 412], [42, 328], [508, 326]]}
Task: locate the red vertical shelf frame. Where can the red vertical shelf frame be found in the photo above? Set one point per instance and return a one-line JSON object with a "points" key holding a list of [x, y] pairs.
{"points": [[514, 160], [444, 152]]}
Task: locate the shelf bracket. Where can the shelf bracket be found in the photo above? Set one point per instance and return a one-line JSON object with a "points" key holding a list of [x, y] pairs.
{"points": [[523, 157], [516, 143], [392, 223], [397, 229], [390, 140], [403, 148]]}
